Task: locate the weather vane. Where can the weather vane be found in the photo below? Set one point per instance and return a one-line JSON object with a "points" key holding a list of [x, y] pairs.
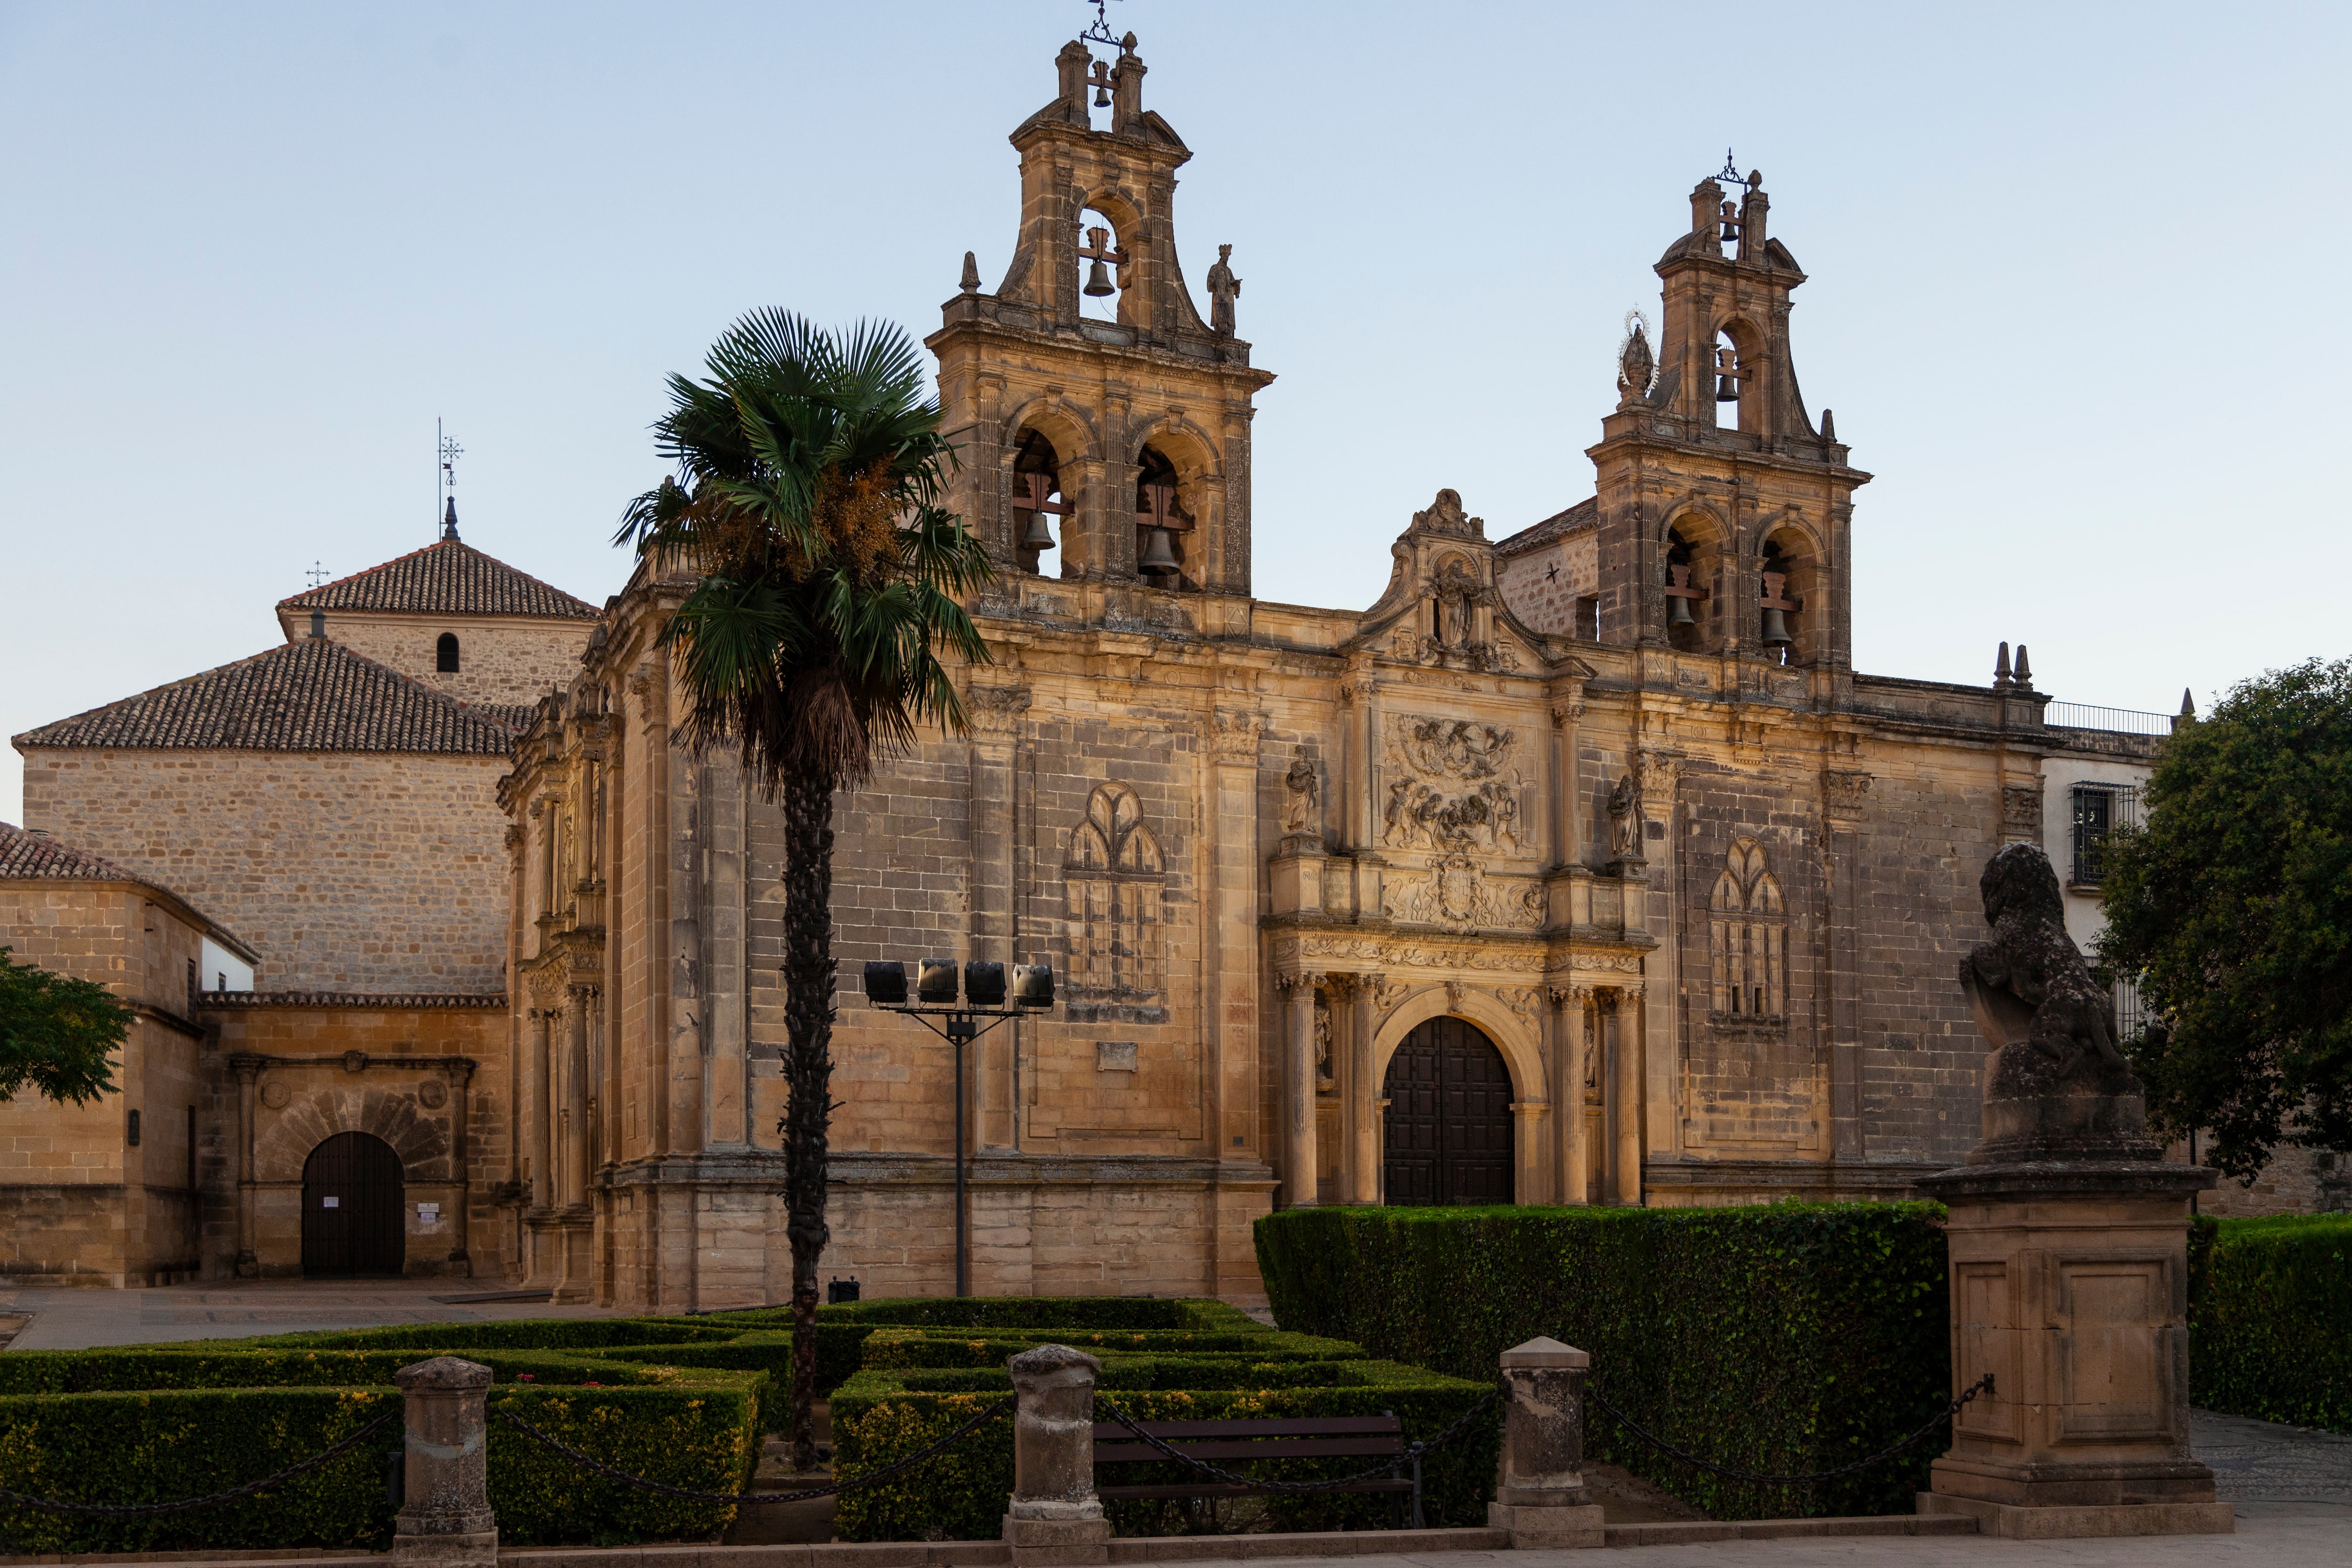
{"points": [[446, 482], [1730, 171], [1100, 32], [316, 574]]}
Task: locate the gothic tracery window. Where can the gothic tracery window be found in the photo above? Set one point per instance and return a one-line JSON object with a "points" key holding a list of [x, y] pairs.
{"points": [[1747, 936], [1115, 875]]}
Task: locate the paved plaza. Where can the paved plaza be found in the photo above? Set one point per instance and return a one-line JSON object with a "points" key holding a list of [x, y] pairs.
{"points": [[65, 1320]]}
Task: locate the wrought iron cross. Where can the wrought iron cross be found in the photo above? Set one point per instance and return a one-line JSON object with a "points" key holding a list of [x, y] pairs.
{"points": [[316, 574]]}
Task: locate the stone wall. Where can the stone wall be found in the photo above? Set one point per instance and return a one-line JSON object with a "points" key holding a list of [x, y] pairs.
{"points": [[1542, 598], [501, 661], [346, 871], [79, 1204], [323, 1068]]}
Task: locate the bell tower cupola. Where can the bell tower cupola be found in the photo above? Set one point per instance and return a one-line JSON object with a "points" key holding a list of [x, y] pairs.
{"points": [[1725, 510], [1102, 423]]}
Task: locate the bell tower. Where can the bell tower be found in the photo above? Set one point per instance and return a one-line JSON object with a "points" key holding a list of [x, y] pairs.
{"points": [[1724, 511], [1103, 427]]}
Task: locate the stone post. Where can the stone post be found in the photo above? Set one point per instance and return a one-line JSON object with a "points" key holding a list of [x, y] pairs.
{"points": [[445, 1519], [1539, 1497], [1054, 1518]]}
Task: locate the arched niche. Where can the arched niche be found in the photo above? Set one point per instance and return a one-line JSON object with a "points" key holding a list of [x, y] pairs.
{"points": [[1691, 558], [1790, 561], [1740, 361]]}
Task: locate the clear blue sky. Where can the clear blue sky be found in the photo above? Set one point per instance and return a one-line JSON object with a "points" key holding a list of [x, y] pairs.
{"points": [[2077, 274]]}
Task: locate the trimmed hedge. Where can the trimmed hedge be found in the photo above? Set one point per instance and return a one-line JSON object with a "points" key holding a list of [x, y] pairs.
{"points": [[959, 1496], [2270, 1318], [939, 1363], [1792, 1337]]}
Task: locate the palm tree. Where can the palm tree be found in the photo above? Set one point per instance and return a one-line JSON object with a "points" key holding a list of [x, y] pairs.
{"points": [[810, 467]]}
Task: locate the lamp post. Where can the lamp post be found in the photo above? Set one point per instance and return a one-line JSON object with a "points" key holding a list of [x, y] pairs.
{"points": [[935, 1006]]}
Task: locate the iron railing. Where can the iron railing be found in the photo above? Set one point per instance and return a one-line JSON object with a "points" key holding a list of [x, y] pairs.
{"points": [[2118, 721]]}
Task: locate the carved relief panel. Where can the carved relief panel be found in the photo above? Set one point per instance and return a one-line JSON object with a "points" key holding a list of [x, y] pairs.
{"points": [[1115, 878], [1456, 788]]}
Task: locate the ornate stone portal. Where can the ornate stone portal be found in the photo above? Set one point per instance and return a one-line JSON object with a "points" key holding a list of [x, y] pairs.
{"points": [[2069, 1257]]}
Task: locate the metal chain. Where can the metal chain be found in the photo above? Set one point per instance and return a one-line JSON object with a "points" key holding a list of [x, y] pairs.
{"points": [[133, 1510], [905, 1462], [1982, 1385], [1386, 1467]]}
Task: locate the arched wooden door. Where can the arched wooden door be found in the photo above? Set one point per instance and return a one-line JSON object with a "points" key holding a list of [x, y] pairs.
{"points": [[1447, 1128], [352, 1208]]}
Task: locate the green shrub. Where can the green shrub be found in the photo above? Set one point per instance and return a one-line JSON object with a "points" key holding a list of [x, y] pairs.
{"points": [[120, 1448], [704, 1437], [878, 1416], [516, 1334], [139, 1367], [1788, 1338], [2270, 1318], [931, 1347]]}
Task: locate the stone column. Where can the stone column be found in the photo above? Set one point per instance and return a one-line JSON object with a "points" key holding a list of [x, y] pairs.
{"points": [[1567, 819], [1054, 1518], [1539, 1497], [1567, 1016], [541, 1122], [248, 1069], [460, 1074], [445, 1519], [1363, 1094], [575, 1101], [1530, 1181], [1299, 1091], [1625, 1094]]}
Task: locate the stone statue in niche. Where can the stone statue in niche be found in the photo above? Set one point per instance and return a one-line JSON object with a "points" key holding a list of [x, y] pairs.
{"points": [[1624, 820], [2057, 1086], [1323, 1071], [1302, 793], [1224, 288]]}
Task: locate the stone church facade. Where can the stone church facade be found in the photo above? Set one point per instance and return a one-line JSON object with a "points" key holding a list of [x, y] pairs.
{"points": [[1582, 867]]}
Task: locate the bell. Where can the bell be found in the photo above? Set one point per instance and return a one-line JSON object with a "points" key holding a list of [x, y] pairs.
{"points": [[1678, 612], [1730, 222], [1776, 628], [1039, 536], [1102, 96], [1099, 280], [1157, 555]]}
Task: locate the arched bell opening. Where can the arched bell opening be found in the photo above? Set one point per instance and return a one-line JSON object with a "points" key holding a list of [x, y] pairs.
{"points": [[1788, 581], [1039, 504], [1691, 570], [1446, 1134], [1738, 377], [1104, 268], [352, 1188], [1166, 527]]}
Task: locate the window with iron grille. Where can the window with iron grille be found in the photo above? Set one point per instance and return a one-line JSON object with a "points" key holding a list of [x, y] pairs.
{"points": [[2099, 810], [2131, 1012]]}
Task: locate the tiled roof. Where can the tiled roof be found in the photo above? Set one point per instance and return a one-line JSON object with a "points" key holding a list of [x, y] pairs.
{"points": [[30, 856], [1584, 514], [450, 578], [313, 694]]}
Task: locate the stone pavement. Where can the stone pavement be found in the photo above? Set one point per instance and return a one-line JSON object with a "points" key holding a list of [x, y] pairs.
{"points": [[74, 1319]]}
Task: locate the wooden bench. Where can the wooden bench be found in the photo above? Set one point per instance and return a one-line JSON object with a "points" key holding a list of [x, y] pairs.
{"points": [[1365, 1439]]}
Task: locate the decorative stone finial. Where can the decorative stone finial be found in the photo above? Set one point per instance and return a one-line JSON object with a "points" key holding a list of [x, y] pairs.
{"points": [[2001, 679], [449, 519], [969, 282], [2024, 669], [1829, 425], [2188, 704]]}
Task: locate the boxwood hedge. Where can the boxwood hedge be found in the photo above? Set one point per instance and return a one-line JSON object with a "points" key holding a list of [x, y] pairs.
{"points": [[1170, 1361], [2270, 1318], [1787, 1338]]}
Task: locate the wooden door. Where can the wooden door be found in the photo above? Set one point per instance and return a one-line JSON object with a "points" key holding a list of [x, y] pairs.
{"points": [[1447, 1128], [352, 1201]]}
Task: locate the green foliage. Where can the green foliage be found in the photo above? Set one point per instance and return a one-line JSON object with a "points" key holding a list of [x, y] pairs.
{"points": [[120, 1448], [2234, 906], [56, 1034], [1788, 1338], [154, 1422], [879, 1416], [1060, 1314], [2270, 1318]]}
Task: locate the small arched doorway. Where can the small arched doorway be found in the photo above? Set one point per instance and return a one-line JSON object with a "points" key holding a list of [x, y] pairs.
{"points": [[351, 1208], [1447, 1128]]}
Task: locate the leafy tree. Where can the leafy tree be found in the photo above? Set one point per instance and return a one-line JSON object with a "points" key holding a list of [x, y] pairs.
{"points": [[809, 470], [2234, 906], [57, 1033]]}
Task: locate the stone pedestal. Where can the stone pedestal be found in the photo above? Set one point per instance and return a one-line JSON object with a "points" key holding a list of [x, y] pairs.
{"points": [[446, 1521], [1054, 1518], [1539, 1496], [2070, 1285]]}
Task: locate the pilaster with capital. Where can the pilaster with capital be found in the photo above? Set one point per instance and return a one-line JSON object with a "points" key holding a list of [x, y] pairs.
{"points": [[1233, 823], [1299, 1166], [1362, 1175], [1566, 1015]]}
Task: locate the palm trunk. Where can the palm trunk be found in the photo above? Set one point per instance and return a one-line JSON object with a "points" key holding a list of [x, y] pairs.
{"points": [[808, 1074]]}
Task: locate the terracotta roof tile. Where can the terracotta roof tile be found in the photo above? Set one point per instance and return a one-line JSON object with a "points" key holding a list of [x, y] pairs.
{"points": [[309, 695], [28, 856], [450, 578], [1584, 514]]}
